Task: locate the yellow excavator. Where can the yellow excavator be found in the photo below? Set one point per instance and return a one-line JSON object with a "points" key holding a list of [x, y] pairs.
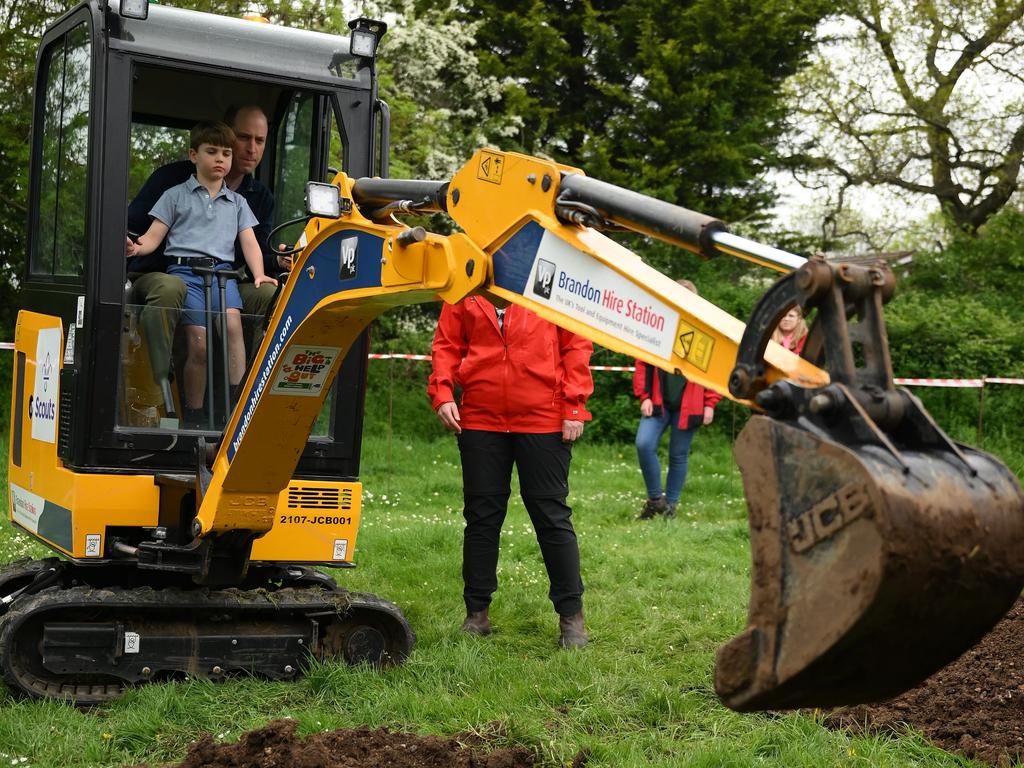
{"points": [[881, 548]]}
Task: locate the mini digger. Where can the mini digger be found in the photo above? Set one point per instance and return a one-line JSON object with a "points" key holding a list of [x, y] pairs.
{"points": [[881, 548]]}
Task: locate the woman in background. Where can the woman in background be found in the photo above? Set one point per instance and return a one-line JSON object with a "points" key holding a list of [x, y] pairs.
{"points": [[791, 331], [668, 402]]}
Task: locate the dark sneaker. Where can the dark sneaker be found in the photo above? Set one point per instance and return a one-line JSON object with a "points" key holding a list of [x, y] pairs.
{"points": [[670, 510], [477, 623], [572, 632], [193, 418], [653, 508]]}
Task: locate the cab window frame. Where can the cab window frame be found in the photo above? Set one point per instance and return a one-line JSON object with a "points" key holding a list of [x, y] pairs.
{"points": [[316, 104], [43, 262]]}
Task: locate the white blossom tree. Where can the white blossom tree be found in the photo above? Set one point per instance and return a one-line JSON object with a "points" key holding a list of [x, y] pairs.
{"points": [[439, 100]]}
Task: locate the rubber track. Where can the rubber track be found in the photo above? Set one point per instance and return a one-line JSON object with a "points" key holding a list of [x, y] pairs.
{"points": [[121, 604]]}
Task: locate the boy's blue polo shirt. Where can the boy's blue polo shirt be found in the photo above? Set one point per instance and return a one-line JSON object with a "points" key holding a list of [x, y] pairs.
{"points": [[256, 194], [200, 225]]}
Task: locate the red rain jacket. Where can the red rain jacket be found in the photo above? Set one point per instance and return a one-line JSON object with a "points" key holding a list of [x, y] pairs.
{"points": [[695, 397], [528, 379]]}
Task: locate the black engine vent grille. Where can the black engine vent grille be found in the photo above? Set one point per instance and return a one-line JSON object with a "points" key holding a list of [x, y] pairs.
{"points": [[65, 417], [312, 497]]}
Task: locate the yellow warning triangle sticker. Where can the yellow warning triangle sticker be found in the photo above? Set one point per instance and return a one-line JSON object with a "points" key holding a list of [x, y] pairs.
{"points": [[490, 167], [685, 342], [693, 345]]}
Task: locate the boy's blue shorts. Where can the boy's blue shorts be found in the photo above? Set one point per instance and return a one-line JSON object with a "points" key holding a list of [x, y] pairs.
{"points": [[195, 294]]}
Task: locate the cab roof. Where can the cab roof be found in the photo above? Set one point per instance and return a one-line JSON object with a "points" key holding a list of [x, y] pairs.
{"points": [[235, 44]]}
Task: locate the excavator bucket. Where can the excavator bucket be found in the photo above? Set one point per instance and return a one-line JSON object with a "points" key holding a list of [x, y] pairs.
{"points": [[866, 578], [881, 549]]}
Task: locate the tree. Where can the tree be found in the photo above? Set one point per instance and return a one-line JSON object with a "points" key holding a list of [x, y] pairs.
{"points": [[926, 97], [679, 99], [22, 26]]}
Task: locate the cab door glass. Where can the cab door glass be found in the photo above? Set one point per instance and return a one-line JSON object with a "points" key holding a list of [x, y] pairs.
{"points": [[336, 154], [61, 243], [153, 146], [293, 151]]}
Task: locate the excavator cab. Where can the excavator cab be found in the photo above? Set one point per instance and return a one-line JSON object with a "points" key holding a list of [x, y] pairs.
{"points": [[116, 99]]}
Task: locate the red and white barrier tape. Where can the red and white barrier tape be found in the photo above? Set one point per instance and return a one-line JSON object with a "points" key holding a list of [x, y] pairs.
{"points": [[954, 383], [960, 383], [396, 356]]}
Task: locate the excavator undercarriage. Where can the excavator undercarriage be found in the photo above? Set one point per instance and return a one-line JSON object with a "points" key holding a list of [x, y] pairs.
{"points": [[72, 632]]}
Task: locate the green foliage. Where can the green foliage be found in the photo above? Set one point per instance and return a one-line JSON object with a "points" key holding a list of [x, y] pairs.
{"points": [[153, 146], [6, 380], [396, 390], [986, 266], [702, 131], [614, 409], [22, 25], [930, 337], [960, 314], [440, 100]]}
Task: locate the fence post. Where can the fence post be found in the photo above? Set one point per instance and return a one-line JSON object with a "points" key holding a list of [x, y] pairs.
{"points": [[980, 436], [391, 410]]}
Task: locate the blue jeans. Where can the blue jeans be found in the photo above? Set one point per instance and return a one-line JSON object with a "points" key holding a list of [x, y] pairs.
{"points": [[648, 436]]}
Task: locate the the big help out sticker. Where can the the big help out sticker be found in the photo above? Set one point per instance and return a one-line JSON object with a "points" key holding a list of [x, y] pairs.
{"points": [[304, 370]]}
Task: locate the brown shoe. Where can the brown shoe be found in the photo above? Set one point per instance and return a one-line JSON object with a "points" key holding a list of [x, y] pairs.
{"points": [[477, 623], [653, 508], [574, 634]]}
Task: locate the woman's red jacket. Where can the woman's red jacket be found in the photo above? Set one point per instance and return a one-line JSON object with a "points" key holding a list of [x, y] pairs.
{"points": [[528, 379], [695, 397]]}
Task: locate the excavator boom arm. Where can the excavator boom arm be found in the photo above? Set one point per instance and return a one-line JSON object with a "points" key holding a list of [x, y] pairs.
{"points": [[514, 247]]}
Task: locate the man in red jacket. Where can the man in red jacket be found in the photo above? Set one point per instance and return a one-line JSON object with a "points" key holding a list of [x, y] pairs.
{"points": [[525, 384]]}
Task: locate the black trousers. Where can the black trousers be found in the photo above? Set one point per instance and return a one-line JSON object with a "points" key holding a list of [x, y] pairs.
{"points": [[542, 461]]}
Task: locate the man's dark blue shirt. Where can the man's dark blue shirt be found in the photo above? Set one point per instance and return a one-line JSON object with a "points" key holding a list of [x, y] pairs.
{"points": [[256, 194]]}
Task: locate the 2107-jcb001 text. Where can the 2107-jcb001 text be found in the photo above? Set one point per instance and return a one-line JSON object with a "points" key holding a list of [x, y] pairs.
{"points": [[316, 519]]}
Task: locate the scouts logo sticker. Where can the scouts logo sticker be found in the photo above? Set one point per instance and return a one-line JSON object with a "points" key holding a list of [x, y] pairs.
{"points": [[43, 403]]}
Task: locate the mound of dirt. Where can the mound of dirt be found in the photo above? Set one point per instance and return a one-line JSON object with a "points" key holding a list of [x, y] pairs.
{"points": [[974, 706], [278, 746]]}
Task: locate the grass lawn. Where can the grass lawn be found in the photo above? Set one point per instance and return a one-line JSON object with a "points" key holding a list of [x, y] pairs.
{"points": [[660, 598]]}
